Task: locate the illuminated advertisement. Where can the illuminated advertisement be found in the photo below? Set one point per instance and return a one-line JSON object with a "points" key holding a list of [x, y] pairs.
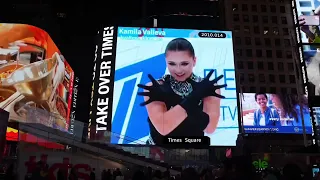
{"points": [[36, 80], [308, 20], [158, 86], [275, 113], [311, 56], [74, 105], [316, 115]]}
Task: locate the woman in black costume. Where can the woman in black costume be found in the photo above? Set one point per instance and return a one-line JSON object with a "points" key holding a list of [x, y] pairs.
{"points": [[181, 104]]}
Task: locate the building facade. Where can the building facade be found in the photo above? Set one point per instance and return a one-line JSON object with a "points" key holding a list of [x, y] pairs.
{"points": [[264, 45]]}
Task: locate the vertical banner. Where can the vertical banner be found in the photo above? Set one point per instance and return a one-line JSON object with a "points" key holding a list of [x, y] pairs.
{"points": [[73, 105], [103, 81]]}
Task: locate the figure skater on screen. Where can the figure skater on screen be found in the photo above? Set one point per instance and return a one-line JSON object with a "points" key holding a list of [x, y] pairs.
{"points": [[181, 103], [288, 107], [265, 116]]}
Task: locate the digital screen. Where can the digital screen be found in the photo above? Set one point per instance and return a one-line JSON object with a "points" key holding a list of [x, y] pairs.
{"points": [[311, 58], [315, 171], [316, 114], [36, 81], [275, 113], [178, 60], [307, 18]]}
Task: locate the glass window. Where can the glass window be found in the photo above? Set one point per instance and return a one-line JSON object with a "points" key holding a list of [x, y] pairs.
{"points": [[260, 65], [239, 64], [282, 78], [263, 8], [265, 30], [290, 67], [238, 41], [273, 89], [292, 79], [236, 28], [272, 78], [252, 89], [270, 66], [279, 54], [289, 55], [254, 8], [248, 40], [267, 41], [251, 78], [263, 89], [275, 31], [255, 18], [241, 77], [282, 9], [236, 17], [244, 7], [256, 29], [265, 19], [287, 43], [285, 31], [269, 53], [284, 20], [273, 8], [250, 65], [249, 52], [239, 52], [246, 29], [245, 18], [274, 19], [277, 42], [259, 53], [257, 41], [280, 66], [262, 78], [235, 7]]}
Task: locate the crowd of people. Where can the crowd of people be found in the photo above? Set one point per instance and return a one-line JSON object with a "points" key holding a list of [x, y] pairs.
{"points": [[230, 170]]}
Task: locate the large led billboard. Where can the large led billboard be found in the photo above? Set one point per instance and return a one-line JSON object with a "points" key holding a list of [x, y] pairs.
{"points": [[275, 113], [36, 81], [156, 86]]}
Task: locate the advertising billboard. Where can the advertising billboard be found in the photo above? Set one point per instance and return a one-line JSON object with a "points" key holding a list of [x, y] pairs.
{"points": [[275, 113], [156, 86], [36, 81], [311, 56], [308, 20]]}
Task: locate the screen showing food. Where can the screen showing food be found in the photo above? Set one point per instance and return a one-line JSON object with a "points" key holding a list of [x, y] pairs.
{"points": [[171, 86], [275, 113], [34, 76], [306, 14]]}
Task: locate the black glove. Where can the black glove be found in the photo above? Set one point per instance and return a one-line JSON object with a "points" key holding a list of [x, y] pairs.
{"points": [[202, 118], [157, 92], [201, 90]]}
